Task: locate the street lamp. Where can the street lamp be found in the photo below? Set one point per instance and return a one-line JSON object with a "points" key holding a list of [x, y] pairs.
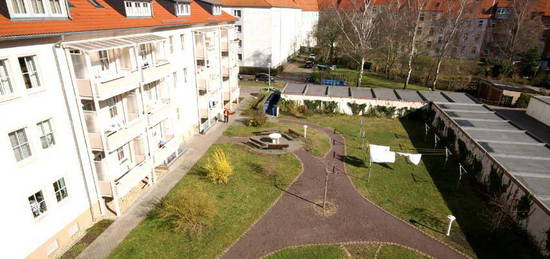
{"points": [[451, 219], [305, 131], [269, 74]]}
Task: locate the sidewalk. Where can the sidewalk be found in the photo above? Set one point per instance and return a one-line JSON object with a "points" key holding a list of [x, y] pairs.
{"points": [[117, 232]]}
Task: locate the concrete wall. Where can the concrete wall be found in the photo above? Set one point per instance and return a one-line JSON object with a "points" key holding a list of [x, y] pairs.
{"points": [[343, 106], [539, 110], [538, 221]]}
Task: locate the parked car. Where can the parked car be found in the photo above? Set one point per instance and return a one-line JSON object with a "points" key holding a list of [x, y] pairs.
{"points": [[326, 67], [309, 64], [264, 77]]}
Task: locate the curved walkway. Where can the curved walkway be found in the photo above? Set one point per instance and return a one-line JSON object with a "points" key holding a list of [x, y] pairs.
{"points": [[293, 221]]}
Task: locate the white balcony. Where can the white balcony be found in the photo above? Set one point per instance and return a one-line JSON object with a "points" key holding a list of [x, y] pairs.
{"points": [[107, 88], [127, 181], [156, 72], [165, 151], [161, 113], [122, 136]]}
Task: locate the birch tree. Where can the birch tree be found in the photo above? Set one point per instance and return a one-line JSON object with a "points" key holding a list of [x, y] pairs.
{"points": [[413, 15], [450, 22], [355, 20]]}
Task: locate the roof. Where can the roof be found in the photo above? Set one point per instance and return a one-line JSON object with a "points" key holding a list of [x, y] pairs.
{"points": [[524, 157], [86, 17], [544, 99], [508, 86], [305, 5]]}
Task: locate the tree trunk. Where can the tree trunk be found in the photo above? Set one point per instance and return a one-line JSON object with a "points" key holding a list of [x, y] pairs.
{"points": [[412, 52], [436, 76], [360, 74]]}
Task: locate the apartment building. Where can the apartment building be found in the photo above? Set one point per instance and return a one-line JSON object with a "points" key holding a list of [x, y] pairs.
{"points": [[98, 98], [269, 32]]}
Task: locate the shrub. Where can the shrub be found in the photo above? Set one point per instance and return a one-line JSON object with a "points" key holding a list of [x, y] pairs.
{"points": [[188, 211], [258, 119], [357, 109], [330, 107], [523, 208], [305, 110], [314, 106], [523, 100], [289, 106], [218, 167]]}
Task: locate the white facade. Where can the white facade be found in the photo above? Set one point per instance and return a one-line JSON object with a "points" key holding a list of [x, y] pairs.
{"points": [[272, 34], [54, 156], [102, 114]]}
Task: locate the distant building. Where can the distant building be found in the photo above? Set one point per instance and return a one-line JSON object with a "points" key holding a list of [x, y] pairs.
{"points": [[500, 93]]}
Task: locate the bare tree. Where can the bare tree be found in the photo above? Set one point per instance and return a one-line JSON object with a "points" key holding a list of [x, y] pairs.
{"points": [[413, 14], [356, 21], [326, 32], [450, 22]]}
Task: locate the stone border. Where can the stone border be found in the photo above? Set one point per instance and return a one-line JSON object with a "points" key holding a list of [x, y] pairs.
{"points": [[381, 243], [268, 208]]}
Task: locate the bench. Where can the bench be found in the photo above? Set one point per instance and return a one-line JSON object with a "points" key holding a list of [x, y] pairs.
{"points": [[263, 132], [256, 143], [288, 137], [277, 146], [294, 133]]}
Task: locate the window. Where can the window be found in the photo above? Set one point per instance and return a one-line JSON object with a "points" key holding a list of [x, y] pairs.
{"points": [[421, 18], [437, 4], [113, 112], [37, 6], [216, 10], [19, 6], [431, 31], [185, 75], [30, 73], [239, 28], [20, 144], [121, 154], [237, 13], [429, 44], [38, 204], [104, 59], [60, 189], [240, 43], [171, 43], [55, 7], [183, 9], [480, 23], [145, 54], [5, 84], [419, 31], [135, 8], [240, 57], [46, 134], [87, 105], [182, 39]]}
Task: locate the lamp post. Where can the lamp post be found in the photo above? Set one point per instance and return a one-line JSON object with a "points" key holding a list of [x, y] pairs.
{"points": [[269, 74], [451, 219], [305, 131]]}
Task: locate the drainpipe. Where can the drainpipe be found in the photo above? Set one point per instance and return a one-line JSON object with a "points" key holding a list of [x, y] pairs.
{"points": [[81, 161]]}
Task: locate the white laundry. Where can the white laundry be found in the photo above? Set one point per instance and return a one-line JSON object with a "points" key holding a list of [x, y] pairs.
{"points": [[413, 158], [381, 154]]}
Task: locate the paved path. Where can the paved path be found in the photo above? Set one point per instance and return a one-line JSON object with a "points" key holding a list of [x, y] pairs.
{"points": [[293, 221], [117, 232]]}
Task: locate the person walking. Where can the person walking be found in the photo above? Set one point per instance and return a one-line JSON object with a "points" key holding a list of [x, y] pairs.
{"points": [[226, 114]]}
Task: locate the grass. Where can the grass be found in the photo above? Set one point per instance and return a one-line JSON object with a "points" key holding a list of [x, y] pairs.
{"points": [[357, 251], [320, 142], [425, 194], [239, 203], [251, 83], [369, 79], [91, 234]]}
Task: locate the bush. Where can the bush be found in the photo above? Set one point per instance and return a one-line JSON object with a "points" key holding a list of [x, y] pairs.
{"points": [[188, 211], [330, 107], [304, 110], [258, 119], [523, 100], [314, 106], [357, 109], [218, 167], [523, 208], [289, 106]]}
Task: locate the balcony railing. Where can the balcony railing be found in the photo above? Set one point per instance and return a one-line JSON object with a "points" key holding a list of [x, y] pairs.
{"points": [[156, 72], [160, 114], [129, 180], [122, 136], [165, 151], [105, 89]]}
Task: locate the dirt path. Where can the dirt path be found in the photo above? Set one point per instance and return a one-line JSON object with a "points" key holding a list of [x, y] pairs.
{"points": [[296, 219]]}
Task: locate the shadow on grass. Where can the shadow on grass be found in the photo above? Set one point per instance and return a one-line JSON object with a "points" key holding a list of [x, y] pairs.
{"points": [[469, 207]]}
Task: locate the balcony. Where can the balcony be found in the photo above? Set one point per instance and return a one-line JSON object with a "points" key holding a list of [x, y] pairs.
{"points": [[165, 151], [160, 113], [133, 177], [107, 88], [122, 136], [157, 71]]}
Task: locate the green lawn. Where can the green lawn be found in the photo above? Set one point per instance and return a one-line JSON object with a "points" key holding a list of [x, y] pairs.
{"points": [[91, 234], [239, 203], [425, 194], [369, 79], [357, 251], [320, 143]]}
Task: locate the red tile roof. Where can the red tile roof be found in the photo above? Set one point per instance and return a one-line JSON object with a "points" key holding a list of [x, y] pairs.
{"points": [[306, 5], [86, 17]]}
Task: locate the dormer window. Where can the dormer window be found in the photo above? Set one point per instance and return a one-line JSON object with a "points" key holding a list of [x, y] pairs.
{"points": [[37, 8], [137, 8], [183, 9], [216, 10]]}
